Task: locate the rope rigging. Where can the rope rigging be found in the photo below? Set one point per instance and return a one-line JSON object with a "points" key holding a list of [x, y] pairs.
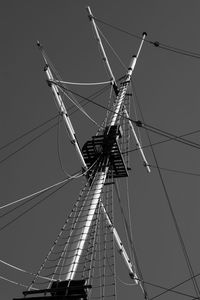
{"points": [[176, 225], [55, 263], [33, 206], [164, 141], [95, 263], [29, 198], [29, 142], [175, 171], [142, 125], [163, 46], [80, 108], [77, 175], [28, 132]]}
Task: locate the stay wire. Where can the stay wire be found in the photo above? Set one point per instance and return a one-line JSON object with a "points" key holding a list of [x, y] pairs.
{"points": [[175, 171], [28, 143], [171, 135], [171, 138], [169, 290], [144, 125], [38, 193], [33, 206], [154, 43], [163, 141], [133, 248], [160, 287], [13, 282], [174, 287], [112, 49], [28, 132], [58, 148], [181, 241]]}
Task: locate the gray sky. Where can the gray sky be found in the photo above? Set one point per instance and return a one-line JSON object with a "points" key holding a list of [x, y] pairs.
{"points": [[167, 86]]}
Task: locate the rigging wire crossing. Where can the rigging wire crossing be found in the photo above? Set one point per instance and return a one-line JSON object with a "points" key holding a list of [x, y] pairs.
{"points": [[154, 43], [140, 124]]}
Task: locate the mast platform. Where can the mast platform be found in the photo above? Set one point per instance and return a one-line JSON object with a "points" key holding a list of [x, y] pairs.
{"points": [[60, 290], [106, 145]]}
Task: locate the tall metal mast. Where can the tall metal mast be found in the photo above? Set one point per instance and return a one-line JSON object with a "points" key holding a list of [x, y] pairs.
{"points": [[71, 132], [109, 160], [109, 148]]}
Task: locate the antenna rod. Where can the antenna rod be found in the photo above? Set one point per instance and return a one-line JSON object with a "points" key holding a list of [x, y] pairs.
{"points": [[62, 108]]}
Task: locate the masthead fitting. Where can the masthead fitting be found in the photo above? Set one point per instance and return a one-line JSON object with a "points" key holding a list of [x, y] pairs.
{"points": [[89, 13], [144, 34]]}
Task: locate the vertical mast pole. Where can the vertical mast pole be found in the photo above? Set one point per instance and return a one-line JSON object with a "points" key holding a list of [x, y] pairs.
{"points": [[62, 109], [80, 233]]}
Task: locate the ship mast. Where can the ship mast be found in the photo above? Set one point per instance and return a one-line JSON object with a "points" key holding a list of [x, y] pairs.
{"points": [[97, 169], [114, 82], [111, 134]]}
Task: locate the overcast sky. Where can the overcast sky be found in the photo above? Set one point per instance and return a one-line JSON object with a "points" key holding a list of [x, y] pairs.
{"points": [[168, 89]]}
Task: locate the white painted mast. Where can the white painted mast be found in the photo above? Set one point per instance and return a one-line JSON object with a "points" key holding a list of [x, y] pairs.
{"points": [[114, 83], [80, 233], [77, 244], [71, 133], [62, 108]]}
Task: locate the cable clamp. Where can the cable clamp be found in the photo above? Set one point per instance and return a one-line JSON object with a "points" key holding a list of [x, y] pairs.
{"points": [[45, 68], [49, 83], [156, 43], [139, 123]]}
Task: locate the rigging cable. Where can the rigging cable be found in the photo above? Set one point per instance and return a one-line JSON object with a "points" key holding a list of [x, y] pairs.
{"points": [[21, 270], [129, 236], [59, 150], [79, 107], [154, 43], [175, 286], [144, 125], [77, 175], [125, 283], [175, 171], [157, 286], [66, 181], [28, 132], [13, 282], [181, 241], [163, 141], [33, 206], [28, 143], [113, 50]]}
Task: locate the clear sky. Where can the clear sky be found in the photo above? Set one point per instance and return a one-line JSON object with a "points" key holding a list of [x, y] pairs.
{"points": [[167, 87]]}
